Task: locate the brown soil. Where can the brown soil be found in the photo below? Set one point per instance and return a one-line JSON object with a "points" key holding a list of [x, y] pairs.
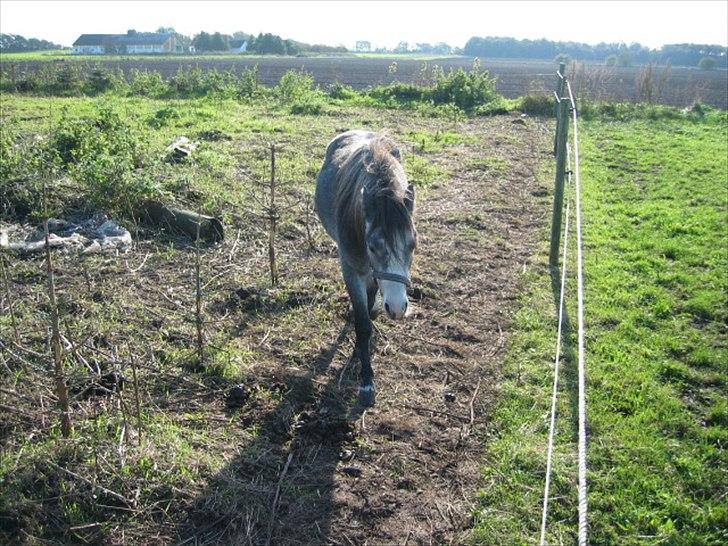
{"points": [[516, 77], [304, 465]]}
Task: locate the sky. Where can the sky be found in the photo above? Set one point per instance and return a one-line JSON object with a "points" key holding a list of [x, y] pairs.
{"points": [[382, 23]]}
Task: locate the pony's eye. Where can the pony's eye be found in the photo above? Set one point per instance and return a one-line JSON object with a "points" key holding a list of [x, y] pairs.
{"points": [[371, 249]]}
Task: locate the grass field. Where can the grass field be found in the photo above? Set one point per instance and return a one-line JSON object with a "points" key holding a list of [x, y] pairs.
{"points": [[455, 450], [655, 233]]}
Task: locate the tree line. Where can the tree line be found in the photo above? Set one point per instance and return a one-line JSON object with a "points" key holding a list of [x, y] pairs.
{"points": [[262, 43], [616, 53], [11, 43]]}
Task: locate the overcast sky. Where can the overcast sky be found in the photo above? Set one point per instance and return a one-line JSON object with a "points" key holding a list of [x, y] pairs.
{"points": [[383, 23]]}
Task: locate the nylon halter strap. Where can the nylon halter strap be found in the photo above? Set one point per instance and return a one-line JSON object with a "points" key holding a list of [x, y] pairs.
{"points": [[394, 277]]}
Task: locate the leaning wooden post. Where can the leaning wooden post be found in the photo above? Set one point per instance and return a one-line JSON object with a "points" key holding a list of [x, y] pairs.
{"points": [[561, 135], [272, 212]]}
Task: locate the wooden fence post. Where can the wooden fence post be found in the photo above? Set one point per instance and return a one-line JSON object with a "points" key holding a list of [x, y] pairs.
{"points": [[561, 136], [560, 79], [272, 216]]}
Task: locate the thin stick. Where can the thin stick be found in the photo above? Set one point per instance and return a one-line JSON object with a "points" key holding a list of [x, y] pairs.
{"points": [[472, 402], [9, 296], [136, 399], [272, 217], [59, 372], [274, 506], [198, 297], [108, 492], [309, 237], [438, 412]]}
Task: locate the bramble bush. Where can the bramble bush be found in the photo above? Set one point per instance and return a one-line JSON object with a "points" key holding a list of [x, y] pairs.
{"points": [[105, 154]]}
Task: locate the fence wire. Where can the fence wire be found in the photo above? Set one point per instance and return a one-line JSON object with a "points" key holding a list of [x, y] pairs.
{"points": [[573, 170]]}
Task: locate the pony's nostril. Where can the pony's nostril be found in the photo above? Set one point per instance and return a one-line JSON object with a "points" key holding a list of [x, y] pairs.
{"points": [[386, 307], [406, 304]]}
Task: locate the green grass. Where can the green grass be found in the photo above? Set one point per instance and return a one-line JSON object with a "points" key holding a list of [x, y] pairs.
{"points": [[655, 224]]}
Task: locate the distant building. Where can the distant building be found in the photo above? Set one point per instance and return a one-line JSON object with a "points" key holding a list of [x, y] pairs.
{"points": [[364, 46], [132, 42], [241, 46]]}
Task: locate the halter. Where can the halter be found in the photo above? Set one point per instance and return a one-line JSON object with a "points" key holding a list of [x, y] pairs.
{"points": [[384, 275]]}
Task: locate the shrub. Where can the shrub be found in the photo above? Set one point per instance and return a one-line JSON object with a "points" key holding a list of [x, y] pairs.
{"points": [[611, 60], [105, 153], [101, 80], [164, 116], [538, 105], [248, 85], [397, 92], [309, 104], [147, 84], [341, 91], [562, 58], [21, 186], [707, 63], [464, 89], [293, 85], [65, 81]]}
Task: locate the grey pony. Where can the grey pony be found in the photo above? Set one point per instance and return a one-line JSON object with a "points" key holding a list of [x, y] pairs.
{"points": [[366, 205]]}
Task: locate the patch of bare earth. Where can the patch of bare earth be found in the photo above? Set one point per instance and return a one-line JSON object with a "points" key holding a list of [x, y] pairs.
{"points": [[405, 472]]}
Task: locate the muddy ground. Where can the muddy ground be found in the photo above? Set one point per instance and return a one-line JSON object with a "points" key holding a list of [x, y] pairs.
{"points": [[296, 461]]}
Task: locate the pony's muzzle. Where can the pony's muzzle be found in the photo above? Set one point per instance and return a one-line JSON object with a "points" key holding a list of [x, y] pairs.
{"points": [[396, 310]]}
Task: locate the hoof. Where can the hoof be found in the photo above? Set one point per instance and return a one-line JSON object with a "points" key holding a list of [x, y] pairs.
{"points": [[367, 395]]}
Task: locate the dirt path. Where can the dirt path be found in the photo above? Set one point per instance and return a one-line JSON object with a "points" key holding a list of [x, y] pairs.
{"points": [[407, 471]]}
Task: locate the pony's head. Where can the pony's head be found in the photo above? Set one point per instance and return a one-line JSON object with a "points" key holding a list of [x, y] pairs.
{"points": [[388, 209]]}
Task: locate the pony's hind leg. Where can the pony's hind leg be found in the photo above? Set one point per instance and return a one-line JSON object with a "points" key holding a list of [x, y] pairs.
{"points": [[356, 285]]}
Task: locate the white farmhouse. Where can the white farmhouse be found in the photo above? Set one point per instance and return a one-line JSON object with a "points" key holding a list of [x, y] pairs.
{"points": [[131, 42]]}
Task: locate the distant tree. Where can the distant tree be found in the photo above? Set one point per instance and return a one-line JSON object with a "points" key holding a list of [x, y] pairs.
{"points": [[243, 36], [683, 54], [211, 42], [402, 47], [624, 58], [182, 42], [202, 41], [611, 60], [16, 43], [707, 63], [292, 48], [562, 58], [270, 44], [220, 42]]}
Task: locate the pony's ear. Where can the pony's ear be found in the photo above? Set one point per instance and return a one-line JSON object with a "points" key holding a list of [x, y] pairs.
{"points": [[409, 199]]}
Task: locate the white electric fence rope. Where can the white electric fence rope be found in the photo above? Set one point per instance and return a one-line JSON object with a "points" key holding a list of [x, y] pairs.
{"points": [[582, 464], [557, 361], [583, 505]]}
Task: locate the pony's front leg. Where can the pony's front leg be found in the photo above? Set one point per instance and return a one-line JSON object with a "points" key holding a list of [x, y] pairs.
{"points": [[356, 285]]}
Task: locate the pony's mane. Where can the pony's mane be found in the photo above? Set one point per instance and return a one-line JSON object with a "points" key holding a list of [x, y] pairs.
{"points": [[374, 167]]}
